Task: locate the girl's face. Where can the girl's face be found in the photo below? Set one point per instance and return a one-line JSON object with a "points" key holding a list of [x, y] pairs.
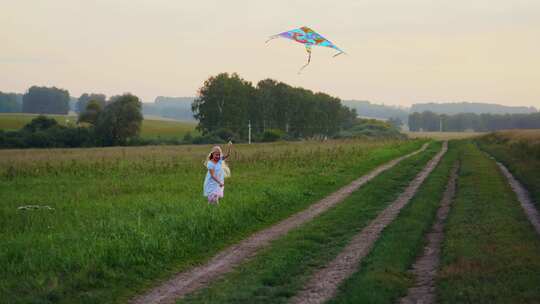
{"points": [[216, 156]]}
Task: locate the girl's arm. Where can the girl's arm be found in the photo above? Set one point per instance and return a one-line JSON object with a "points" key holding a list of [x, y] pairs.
{"points": [[228, 152], [212, 174]]}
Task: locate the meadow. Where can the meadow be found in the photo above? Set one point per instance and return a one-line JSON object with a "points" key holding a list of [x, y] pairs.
{"points": [[123, 218], [119, 220], [152, 127]]}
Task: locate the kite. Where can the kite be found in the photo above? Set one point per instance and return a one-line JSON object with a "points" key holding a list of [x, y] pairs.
{"points": [[309, 38]]}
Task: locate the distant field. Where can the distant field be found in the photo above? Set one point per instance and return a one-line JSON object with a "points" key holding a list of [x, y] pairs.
{"points": [[11, 122], [532, 137], [151, 128], [443, 135], [167, 128]]}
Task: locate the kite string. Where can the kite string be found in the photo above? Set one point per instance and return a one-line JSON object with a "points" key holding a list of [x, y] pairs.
{"points": [[305, 65]]}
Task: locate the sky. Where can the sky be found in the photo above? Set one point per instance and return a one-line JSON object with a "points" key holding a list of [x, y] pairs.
{"points": [[399, 52]]}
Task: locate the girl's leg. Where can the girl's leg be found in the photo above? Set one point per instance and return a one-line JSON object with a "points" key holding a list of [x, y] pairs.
{"points": [[213, 199]]}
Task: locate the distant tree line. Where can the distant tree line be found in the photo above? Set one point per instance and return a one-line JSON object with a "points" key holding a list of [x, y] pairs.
{"points": [[430, 121], [367, 109], [451, 108], [170, 107], [10, 102], [117, 123], [228, 103]]}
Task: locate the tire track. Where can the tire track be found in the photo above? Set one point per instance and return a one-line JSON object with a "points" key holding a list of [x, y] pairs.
{"points": [[425, 267], [323, 285], [198, 277]]}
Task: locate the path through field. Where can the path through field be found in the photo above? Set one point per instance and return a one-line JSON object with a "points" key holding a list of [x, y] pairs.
{"points": [[426, 266], [323, 284], [198, 277]]}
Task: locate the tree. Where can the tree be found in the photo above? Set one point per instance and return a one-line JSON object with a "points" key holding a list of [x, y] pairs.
{"points": [[10, 102], [396, 122], [415, 122], [91, 113], [46, 100], [120, 120], [40, 123], [223, 103], [85, 98]]}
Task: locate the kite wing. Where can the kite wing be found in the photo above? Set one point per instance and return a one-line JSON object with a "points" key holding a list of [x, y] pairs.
{"points": [[309, 38]]}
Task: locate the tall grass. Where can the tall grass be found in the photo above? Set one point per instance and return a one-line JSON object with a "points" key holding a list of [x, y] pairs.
{"points": [[519, 150], [124, 217]]}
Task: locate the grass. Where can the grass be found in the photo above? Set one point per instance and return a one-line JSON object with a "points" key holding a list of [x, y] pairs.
{"points": [[151, 128], [383, 276], [491, 253], [13, 122], [278, 272], [444, 135], [167, 129], [519, 151], [125, 217]]}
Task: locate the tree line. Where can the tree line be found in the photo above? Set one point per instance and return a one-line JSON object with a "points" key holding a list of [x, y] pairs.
{"points": [[228, 103], [115, 122], [430, 121]]}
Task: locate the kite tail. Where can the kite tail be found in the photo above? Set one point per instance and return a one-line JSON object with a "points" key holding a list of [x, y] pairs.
{"points": [[305, 65], [341, 52], [272, 37]]}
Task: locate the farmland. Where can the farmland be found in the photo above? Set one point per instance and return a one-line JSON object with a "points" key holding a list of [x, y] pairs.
{"points": [[125, 220], [151, 127]]}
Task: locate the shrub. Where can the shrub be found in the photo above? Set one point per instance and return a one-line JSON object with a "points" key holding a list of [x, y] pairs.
{"points": [[271, 135]]}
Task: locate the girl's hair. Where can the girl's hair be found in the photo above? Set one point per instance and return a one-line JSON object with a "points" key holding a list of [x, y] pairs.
{"points": [[224, 166]]}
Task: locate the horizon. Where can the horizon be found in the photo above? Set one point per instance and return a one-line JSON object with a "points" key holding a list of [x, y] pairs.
{"points": [[397, 54], [407, 106]]}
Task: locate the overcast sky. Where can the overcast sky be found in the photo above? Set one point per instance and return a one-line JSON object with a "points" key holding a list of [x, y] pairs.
{"points": [[399, 51]]}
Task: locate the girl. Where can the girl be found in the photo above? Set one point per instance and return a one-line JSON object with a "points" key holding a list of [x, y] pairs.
{"points": [[215, 177]]}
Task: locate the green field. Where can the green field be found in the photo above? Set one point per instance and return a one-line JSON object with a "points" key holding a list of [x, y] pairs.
{"points": [[126, 218], [278, 273], [151, 128]]}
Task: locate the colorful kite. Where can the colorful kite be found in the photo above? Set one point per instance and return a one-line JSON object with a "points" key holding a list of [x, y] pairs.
{"points": [[309, 38]]}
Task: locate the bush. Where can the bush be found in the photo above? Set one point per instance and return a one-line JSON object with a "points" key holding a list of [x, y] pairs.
{"points": [[371, 128], [225, 134], [207, 139], [271, 135]]}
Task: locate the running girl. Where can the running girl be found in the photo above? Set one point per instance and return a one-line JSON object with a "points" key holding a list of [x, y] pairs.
{"points": [[215, 177]]}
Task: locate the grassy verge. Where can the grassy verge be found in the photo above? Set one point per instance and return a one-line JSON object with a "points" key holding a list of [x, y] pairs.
{"points": [[278, 272], [384, 274], [519, 155], [491, 253], [119, 225]]}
